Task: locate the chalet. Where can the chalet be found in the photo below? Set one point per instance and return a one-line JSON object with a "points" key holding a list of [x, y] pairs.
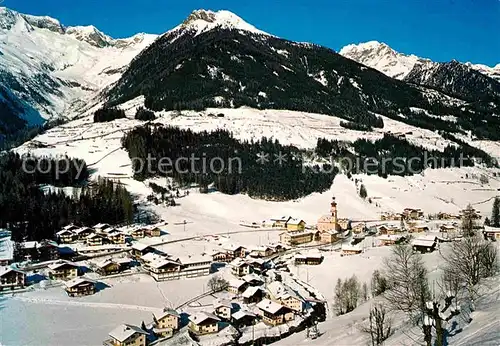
{"points": [[239, 267], [116, 237], [63, 270], [186, 267], [45, 250], [235, 250], [108, 267], [281, 222], [253, 295], [447, 216], [66, 236], [273, 313], [412, 214], [204, 323], [80, 287], [278, 248], [492, 232], [348, 250], [127, 335], [94, 239], [11, 278], [82, 233], [243, 318], [389, 239], [424, 244], [222, 309], [71, 227], [166, 323], [222, 256], [194, 266], [296, 237], [136, 232], [237, 286], [101, 227], [140, 249], [6, 250], [284, 295], [253, 279], [309, 258], [261, 251], [388, 229], [294, 225], [152, 231]]}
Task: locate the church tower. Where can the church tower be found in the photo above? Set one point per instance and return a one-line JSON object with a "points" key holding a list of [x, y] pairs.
{"points": [[333, 210]]}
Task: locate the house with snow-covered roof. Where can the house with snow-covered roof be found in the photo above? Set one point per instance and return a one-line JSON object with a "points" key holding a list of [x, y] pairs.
{"points": [[11, 278], [78, 287], [127, 335], [242, 318], [237, 286], [66, 236], [239, 267], [204, 323], [253, 294], [63, 270], [273, 313], [424, 244], [166, 322], [492, 232], [223, 308], [284, 295]]}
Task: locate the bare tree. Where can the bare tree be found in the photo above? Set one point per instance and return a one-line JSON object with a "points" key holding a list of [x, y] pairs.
{"points": [[347, 294], [380, 325], [469, 260], [407, 279], [217, 283]]}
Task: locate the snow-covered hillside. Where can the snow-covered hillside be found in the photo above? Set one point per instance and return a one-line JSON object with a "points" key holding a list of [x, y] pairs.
{"points": [[58, 69]]}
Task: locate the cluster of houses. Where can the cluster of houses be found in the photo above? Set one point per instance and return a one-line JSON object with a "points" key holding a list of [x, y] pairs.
{"points": [[104, 233], [329, 229], [407, 214]]}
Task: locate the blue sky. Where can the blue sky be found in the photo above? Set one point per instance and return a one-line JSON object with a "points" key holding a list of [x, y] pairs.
{"points": [[466, 30]]}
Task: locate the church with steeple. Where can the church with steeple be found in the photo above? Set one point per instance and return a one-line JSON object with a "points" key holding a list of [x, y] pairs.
{"points": [[330, 225]]}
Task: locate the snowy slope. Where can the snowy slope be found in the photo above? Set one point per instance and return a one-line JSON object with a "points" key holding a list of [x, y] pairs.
{"points": [[54, 68], [380, 56]]}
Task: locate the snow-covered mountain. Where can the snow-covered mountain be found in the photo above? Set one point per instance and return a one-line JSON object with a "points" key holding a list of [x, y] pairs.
{"points": [[56, 69], [380, 56]]}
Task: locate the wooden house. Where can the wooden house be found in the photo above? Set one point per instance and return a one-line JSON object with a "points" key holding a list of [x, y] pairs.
{"points": [[261, 251], [152, 231], [94, 239], [447, 229], [80, 287], [222, 309], [253, 295], [222, 256], [309, 258], [280, 222], [66, 236], [164, 269], [273, 313], [204, 323], [253, 279], [256, 265], [127, 335], [412, 214], [82, 233], [116, 237], [243, 318], [237, 286], [235, 250], [419, 229], [101, 227], [424, 244], [108, 267], [63, 270], [359, 228], [11, 278]]}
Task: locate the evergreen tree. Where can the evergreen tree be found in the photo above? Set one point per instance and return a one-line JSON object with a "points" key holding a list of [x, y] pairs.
{"points": [[495, 213], [362, 191]]}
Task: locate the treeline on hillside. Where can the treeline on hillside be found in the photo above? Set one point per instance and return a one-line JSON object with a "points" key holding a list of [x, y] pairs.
{"points": [[230, 165], [108, 114], [392, 155], [12, 140], [32, 214], [144, 114]]}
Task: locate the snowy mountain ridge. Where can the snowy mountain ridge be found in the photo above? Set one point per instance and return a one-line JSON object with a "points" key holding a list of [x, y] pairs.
{"points": [[382, 57]]}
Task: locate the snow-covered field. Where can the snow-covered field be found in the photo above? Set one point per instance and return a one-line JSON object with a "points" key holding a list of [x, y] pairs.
{"points": [[133, 299]]}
